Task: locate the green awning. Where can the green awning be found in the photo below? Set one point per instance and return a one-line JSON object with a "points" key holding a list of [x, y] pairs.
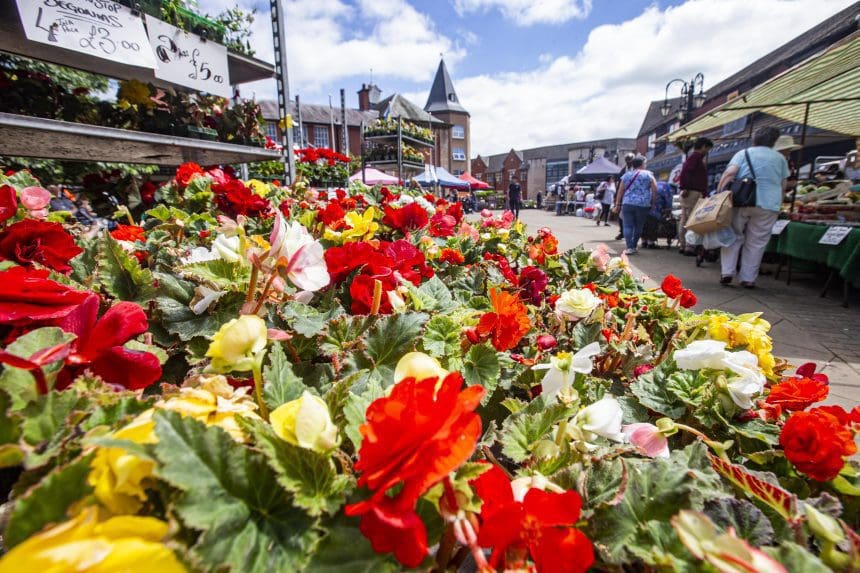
{"points": [[822, 91]]}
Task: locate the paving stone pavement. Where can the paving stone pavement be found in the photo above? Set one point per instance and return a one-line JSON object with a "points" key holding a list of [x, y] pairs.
{"points": [[805, 327]]}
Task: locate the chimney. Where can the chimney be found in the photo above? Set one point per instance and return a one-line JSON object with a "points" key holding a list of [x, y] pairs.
{"points": [[368, 96], [364, 98]]}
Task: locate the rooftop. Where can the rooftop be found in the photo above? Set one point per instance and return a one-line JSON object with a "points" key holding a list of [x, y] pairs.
{"points": [[315, 113], [442, 96]]}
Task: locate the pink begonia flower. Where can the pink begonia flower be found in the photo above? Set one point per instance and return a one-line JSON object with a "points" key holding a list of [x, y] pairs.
{"points": [[506, 220], [468, 231], [648, 439], [36, 199], [298, 255], [486, 214], [601, 257]]}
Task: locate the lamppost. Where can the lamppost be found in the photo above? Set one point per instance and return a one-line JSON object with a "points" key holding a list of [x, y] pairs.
{"points": [[690, 100]]}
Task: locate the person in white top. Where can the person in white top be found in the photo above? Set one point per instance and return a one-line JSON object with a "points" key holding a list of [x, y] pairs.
{"points": [[606, 195]]}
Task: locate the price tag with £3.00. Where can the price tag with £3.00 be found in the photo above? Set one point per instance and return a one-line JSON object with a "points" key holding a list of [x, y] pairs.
{"points": [[99, 28], [834, 235], [188, 60]]}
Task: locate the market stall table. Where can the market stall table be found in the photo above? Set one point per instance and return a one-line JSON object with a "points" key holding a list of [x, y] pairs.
{"points": [[800, 241]]}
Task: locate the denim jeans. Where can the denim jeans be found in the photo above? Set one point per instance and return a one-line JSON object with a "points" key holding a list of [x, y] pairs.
{"points": [[634, 218]]}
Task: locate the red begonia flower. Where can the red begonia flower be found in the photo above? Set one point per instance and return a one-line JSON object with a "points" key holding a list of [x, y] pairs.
{"points": [[672, 286], [797, 393], [31, 241], [407, 218], [186, 172], [807, 370], [331, 214], [29, 298], [8, 202], [129, 233], [99, 346], [443, 225], [817, 442], [451, 256], [541, 526], [509, 322], [407, 260], [688, 299], [532, 283], [413, 438], [234, 199], [341, 261]]}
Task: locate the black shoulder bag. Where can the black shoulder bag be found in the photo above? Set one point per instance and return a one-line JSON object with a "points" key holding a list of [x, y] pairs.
{"points": [[744, 190]]}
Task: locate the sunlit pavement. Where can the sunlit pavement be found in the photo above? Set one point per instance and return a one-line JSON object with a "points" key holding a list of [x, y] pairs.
{"points": [[805, 326]]}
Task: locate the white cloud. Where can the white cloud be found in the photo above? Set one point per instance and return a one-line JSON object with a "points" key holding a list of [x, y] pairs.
{"points": [[604, 89], [529, 12], [329, 40]]}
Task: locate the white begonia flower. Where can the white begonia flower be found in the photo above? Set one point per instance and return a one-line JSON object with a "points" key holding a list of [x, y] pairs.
{"points": [[397, 303], [562, 366], [299, 254], [198, 255], [747, 380], [227, 248], [521, 486], [576, 303], [702, 354], [204, 297], [603, 418]]}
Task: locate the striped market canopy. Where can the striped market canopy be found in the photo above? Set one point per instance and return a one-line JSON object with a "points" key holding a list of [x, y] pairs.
{"points": [[822, 91]]}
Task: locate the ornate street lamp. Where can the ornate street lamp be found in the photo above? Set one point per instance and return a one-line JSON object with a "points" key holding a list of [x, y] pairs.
{"points": [[690, 100]]}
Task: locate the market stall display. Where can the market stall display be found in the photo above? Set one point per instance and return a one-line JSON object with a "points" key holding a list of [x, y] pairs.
{"points": [[311, 375]]}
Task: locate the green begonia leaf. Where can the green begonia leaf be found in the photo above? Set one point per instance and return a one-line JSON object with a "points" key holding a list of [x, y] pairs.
{"points": [[442, 337], [48, 501], [119, 273], [280, 382], [481, 367], [346, 550], [246, 520], [388, 340], [310, 476]]}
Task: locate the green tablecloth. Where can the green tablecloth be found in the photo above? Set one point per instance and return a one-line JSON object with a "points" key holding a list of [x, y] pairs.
{"points": [[800, 241]]}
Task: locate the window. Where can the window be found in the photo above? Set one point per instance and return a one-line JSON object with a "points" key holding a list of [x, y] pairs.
{"points": [[555, 171], [321, 137], [459, 154], [272, 130], [300, 137], [458, 172], [511, 173], [652, 138], [458, 132], [674, 126]]}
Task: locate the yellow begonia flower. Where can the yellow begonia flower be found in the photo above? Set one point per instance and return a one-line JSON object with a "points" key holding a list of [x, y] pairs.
{"points": [[361, 227], [85, 543], [236, 344], [748, 331], [135, 93], [258, 187], [119, 478], [305, 422]]}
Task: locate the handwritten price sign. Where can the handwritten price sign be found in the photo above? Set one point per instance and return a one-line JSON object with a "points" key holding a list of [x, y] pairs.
{"points": [[99, 28], [188, 60]]}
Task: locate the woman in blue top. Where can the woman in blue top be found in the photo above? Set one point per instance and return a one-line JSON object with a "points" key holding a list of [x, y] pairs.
{"points": [[637, 195], [752, 225]]}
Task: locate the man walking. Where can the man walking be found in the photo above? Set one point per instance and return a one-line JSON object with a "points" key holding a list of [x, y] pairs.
{"points": [[628, 166], [694, 185], [514, 198]]}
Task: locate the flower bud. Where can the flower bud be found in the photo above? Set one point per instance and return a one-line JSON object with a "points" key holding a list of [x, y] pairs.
{"points": [[419, 366], [546, 342], [236, 344], [472, 335], [666, 426], [305, 422]]}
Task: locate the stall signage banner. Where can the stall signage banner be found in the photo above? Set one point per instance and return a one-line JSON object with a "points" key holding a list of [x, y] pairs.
{"points": [[779, 227], [188, 60], [834, 235], [99, 28]]}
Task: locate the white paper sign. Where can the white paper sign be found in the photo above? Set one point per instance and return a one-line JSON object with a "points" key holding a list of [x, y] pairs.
{"points": [[834, 235], [100, 28], [188, 60], [779, 227]]}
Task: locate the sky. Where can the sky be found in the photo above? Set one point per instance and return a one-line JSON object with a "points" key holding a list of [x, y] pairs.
{"points": [[530, 72]]}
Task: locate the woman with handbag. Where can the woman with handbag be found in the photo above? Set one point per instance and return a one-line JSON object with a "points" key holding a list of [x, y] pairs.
{"points": [[637, 195], [758, 181]]}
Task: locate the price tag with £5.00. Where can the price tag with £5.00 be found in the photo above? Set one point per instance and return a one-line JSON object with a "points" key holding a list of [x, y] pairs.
{"points": [[188, 60]]}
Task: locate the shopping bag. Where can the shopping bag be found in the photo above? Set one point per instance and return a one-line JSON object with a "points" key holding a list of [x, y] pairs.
{"points": [[711, 213]]}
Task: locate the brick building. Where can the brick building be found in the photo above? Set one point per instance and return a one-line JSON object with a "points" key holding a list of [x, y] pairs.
{"points": [[540, 168]]}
